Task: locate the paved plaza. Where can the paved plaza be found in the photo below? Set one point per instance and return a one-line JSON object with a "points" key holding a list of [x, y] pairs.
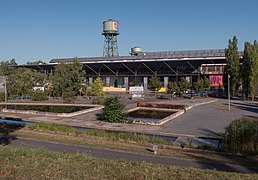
{"points": [[208, 117]]}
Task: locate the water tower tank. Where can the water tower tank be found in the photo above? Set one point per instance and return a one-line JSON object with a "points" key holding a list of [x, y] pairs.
{"points": [[110, 27], [136, 50]]}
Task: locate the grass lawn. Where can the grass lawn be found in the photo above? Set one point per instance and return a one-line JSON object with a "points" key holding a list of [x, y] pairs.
{"points": [[22, 163], [121, 142]]}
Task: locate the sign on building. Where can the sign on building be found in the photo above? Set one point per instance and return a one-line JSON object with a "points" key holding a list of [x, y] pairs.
{"points": [[216, 81], [136, 92], [2, 84]]}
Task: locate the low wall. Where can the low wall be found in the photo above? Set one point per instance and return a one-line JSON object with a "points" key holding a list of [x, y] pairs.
{"points": [[162, 106], [160, 122], [53, 114]]}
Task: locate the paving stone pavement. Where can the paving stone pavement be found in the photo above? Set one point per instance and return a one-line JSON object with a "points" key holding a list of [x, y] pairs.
{"points": [[208, 117]]}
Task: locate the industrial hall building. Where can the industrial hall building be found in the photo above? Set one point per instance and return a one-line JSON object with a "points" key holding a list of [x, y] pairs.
{"points": [[136, 69]]}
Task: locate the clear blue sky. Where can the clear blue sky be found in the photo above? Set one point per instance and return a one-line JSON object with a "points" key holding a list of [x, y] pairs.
{"points": [[33, 30]]}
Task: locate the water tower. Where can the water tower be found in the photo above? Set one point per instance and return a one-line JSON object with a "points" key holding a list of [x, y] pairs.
{"points": [[110, 31]]}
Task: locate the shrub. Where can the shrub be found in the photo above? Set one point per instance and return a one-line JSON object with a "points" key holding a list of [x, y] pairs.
{"points": [[154, 84], [2, 96], [39, 96], [241, 136], [113, 111], [96, 89], [68, 96], [54, 128], [99, 101]]}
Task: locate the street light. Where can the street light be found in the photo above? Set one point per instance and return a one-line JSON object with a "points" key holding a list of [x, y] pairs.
{"points": [[5, 90], [229, 92]]}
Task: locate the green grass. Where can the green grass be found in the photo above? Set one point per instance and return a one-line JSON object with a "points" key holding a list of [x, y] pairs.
{"points": [[134, 147], [21, 163], [115, 136]]}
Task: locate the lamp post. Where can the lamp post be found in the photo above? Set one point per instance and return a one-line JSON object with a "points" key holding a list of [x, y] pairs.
{"points": [[229, 92], [5, 90]]}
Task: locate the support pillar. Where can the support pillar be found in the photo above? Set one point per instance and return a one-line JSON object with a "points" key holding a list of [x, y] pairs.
{"points": [[145, 83], [126, 80], [165, 82], [108, 81], [90, 80]]}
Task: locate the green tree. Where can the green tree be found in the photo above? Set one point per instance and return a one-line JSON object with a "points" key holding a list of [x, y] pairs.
{"points": [[36, 62], [246, 69], [5, 68], [183, 84], [202, 85], [96, 89], [255, 67], [113, 111], [173, 88], [232, 66], [154, 84], [198, 86], [22, 81], [250, 70], [68, 78], [206, 84]]}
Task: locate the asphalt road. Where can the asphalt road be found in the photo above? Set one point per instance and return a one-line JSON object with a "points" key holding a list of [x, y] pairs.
{"points": [[210, 120], [117, 155]]}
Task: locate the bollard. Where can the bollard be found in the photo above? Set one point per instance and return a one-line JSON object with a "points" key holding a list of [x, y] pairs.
{"points": [[155, 148]]}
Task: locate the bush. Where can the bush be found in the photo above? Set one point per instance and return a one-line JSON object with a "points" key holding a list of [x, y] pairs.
{"points": [[2, 96], [96, 89], [68, 97], [241, 136], [98, 101], [39, 96], [113, 111]]}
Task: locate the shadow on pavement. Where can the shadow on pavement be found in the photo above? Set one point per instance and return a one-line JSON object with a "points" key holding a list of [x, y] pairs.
{"points": [[227, 162], [5, 133], [246, 106], [210, 133]]}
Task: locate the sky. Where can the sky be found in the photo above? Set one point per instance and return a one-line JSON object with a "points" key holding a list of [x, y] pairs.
{"points": [[32, 30]]}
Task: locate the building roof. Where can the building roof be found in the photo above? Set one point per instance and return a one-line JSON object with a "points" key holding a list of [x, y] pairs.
{"points": [[176, 55]]}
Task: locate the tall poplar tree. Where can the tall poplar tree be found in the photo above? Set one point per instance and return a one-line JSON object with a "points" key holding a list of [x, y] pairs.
{"points": [[232, 67], [254, 70], [246, 69], [250, 70]]}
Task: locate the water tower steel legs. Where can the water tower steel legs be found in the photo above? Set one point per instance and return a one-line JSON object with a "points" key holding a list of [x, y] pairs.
{"points": [[110, 46]]}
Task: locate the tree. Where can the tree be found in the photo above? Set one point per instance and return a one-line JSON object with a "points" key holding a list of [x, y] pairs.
{"points": [[232, 67], [154, 84], [96, 89], [183, 84], [173, 88], [68, 78], [22, 81], [202, 85], [206, 84], [250, 70], [255, 66], [5, 68], [36, 62], [113, 111], [246, 67], [198, 86]]}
